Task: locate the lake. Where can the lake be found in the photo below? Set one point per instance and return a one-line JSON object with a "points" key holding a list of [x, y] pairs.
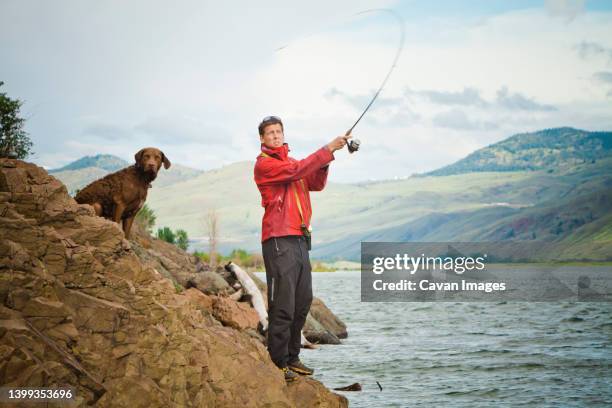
{"points": [[465, 354]]}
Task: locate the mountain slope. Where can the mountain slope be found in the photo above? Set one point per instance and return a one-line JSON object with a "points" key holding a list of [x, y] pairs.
{"points": [[465, 205], [565, 208], [535, 151], [106, 162], [83, 171]]}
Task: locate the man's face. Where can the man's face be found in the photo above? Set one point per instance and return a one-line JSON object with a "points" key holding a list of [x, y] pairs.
{"points": [[273, 136]]}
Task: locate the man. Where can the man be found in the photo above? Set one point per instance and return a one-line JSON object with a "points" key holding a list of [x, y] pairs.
{"points": [[284, 184]]}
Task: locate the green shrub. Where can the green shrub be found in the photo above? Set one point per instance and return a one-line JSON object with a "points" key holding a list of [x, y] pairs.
{"points": [[182, 241], [166, 234], [146, 218]]}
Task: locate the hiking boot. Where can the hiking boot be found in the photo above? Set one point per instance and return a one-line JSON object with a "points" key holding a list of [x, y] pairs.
{"points": [[289, 375], [300, 368]]}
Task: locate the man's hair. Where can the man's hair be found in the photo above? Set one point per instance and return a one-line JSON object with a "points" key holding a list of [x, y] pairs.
{"points": [[270, 120]]}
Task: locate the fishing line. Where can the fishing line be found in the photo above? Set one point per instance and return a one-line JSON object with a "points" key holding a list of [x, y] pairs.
{"points": [[354, 144]]}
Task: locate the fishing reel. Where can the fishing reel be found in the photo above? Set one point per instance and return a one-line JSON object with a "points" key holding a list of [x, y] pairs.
{"points": [[353, 145]]}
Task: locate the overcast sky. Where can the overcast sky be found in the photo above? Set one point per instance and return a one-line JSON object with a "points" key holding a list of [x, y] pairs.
{"points": [[196, 78]]}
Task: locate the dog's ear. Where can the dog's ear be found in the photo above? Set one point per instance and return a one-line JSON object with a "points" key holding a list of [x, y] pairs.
{"points": [[165, 161], [138, 157]]}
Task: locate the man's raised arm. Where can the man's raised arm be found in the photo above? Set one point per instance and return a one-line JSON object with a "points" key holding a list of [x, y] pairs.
{"points": [[272, 171]]}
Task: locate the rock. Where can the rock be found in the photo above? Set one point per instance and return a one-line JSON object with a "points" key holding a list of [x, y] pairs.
{"points": [[238, 315], [199, 299], [317, 334], [306, 391], [137, 391], [210, 283], [42, 307], [320, 312], [86, 308]]}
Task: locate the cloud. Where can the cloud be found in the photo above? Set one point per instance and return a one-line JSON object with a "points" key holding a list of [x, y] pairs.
{"points": [[360, 101], [178, 128], [403, 117], [605, 77], [590, 49], [469, 97], [566, 9], [458, 120], [182, 129], [106, 131], [197, 78], [517, 101], [386, 111], [400, 112]]}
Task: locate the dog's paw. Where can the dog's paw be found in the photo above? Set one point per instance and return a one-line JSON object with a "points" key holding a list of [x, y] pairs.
{"points": [[125, 245]]}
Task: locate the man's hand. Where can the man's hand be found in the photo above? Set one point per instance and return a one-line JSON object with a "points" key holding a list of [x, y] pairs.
{"points": [[338, 143]]}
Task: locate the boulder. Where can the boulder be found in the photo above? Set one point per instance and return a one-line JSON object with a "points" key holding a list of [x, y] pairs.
{"points": [[317, 334], [199, 299], [210, 283], [320, 312], [239, 315]]}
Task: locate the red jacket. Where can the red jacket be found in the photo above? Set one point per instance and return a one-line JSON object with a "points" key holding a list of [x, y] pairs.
{"points": [[276, 175]]}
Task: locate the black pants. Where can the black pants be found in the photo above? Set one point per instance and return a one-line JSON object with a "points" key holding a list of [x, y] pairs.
{"points": [[289, 279]]}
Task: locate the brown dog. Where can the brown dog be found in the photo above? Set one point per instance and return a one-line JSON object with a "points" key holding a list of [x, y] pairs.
{"points": [[120, 195]]}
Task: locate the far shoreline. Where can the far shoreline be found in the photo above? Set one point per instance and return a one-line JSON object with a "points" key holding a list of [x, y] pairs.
{"points": [[322, 266]]}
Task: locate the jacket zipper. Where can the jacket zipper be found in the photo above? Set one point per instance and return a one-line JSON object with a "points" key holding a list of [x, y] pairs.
{"points": [[276, 243], [272, 296]]}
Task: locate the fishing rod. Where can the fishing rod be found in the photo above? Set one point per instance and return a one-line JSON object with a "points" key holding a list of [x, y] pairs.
{"points": [[353, 145]]}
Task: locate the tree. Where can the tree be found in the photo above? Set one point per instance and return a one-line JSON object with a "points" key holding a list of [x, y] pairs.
{"points": [[239, 255], [182, 241], [178, 237], [146, 218], [12, 136], [213, 236], [166, 234]]}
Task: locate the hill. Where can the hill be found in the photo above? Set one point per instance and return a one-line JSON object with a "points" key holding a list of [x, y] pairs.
{"points": [[466, 205], [105, 162], [549, 148], [569, 208], [83, 171]]}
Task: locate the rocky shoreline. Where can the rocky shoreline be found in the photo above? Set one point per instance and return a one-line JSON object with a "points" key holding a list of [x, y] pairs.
{"points": [[126, 323]]}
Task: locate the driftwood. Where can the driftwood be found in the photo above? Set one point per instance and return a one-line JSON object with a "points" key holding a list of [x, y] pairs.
{"points": [[249, 286], [352, 387]]}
